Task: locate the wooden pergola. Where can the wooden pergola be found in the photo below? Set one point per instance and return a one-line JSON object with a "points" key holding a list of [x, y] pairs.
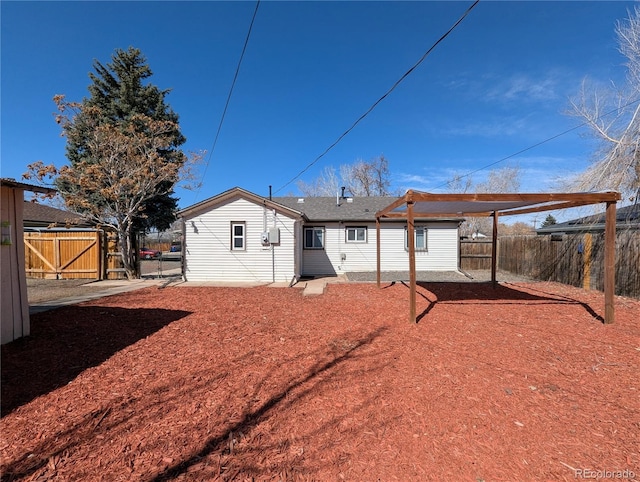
{"points": [[420, 205]]}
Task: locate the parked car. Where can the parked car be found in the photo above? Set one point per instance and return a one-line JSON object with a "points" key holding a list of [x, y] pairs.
{"points": [[147, 253], [175, 247]]}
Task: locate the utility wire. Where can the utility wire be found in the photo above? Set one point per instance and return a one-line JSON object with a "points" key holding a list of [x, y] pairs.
{"points": [[406, 74], [537, 144], [226, 105]]}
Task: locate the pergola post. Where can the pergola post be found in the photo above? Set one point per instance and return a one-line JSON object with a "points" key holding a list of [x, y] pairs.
{"points": [[609, 261], [378, 251], [494, 248], [411, 242]]}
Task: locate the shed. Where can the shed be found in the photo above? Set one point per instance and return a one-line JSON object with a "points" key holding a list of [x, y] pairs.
{"points": [[14, 303]]}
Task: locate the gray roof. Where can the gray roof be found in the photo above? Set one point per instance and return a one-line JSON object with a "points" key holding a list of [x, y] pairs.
{"points": [[311, 209], [626, 217], [36, 214], [317, 209]]}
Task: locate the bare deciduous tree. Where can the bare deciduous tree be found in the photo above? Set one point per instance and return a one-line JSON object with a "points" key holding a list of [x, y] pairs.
{"points": [[613, 116], [327, 184], [516, 229], [506, 179], [460, 184], [363, 178]]}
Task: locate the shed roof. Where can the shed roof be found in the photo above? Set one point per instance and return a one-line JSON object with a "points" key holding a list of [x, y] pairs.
{"points": [[5, 181]]}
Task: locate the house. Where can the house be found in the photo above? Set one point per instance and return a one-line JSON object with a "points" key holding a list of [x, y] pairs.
{"points": [[14, 304], [627, 217], [36, 215], [241, 236]]}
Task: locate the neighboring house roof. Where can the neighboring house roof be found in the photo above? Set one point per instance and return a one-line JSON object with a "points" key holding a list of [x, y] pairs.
{"points": [[627, 217], [41, 215]]}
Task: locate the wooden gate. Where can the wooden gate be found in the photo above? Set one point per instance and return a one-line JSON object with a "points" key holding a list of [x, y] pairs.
{"points": [[475, 254], [64, 254]]}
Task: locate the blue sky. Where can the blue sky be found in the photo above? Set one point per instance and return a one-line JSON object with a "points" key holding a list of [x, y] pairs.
{"points": [[497, 85]]}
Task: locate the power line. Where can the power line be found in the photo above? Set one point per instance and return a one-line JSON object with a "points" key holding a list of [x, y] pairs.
{"points": [[406, 74], [226, 105], [537, 144]]}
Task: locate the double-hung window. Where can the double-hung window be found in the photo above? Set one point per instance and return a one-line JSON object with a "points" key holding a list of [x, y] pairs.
{"points": [[420, 236], [314, 237], [356, 234], [238, 236]]}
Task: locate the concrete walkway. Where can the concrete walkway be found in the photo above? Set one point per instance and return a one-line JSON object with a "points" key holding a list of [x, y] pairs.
{"points": [[311, 287], [316, 286], [99, 290]]}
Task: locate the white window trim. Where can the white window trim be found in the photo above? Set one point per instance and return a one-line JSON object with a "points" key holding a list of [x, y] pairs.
{"points": [[356, 240], [313, 228], [234, 236], [415, 229]]}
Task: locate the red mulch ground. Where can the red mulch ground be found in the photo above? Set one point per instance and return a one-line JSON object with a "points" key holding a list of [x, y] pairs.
{"points": [[522, 382]]}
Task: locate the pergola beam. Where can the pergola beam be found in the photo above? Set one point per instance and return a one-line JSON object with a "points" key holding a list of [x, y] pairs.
{"points": [[418, 215], [545, 207], [533, 198]]}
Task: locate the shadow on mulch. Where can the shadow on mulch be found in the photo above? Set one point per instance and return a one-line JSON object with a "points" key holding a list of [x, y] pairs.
{"points": [[223, 443], [66, 341], [448, 292]]}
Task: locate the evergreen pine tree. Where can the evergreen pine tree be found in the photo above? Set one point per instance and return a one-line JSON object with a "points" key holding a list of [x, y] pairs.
{"points": [[548, 221], [123, 147], [118, 92]]}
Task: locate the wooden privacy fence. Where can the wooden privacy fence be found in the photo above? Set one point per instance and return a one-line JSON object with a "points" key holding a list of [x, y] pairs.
{"points": [[71, 254], [575, 259], [475, 254], [63, 254]]}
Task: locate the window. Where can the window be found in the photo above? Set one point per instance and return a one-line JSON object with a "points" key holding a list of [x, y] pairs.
{"points": [[237, 236], [356, 234], [314, 238], [420, 235]]}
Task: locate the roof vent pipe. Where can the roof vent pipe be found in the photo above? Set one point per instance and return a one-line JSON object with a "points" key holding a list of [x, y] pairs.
{"points": [[343, 188]]}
